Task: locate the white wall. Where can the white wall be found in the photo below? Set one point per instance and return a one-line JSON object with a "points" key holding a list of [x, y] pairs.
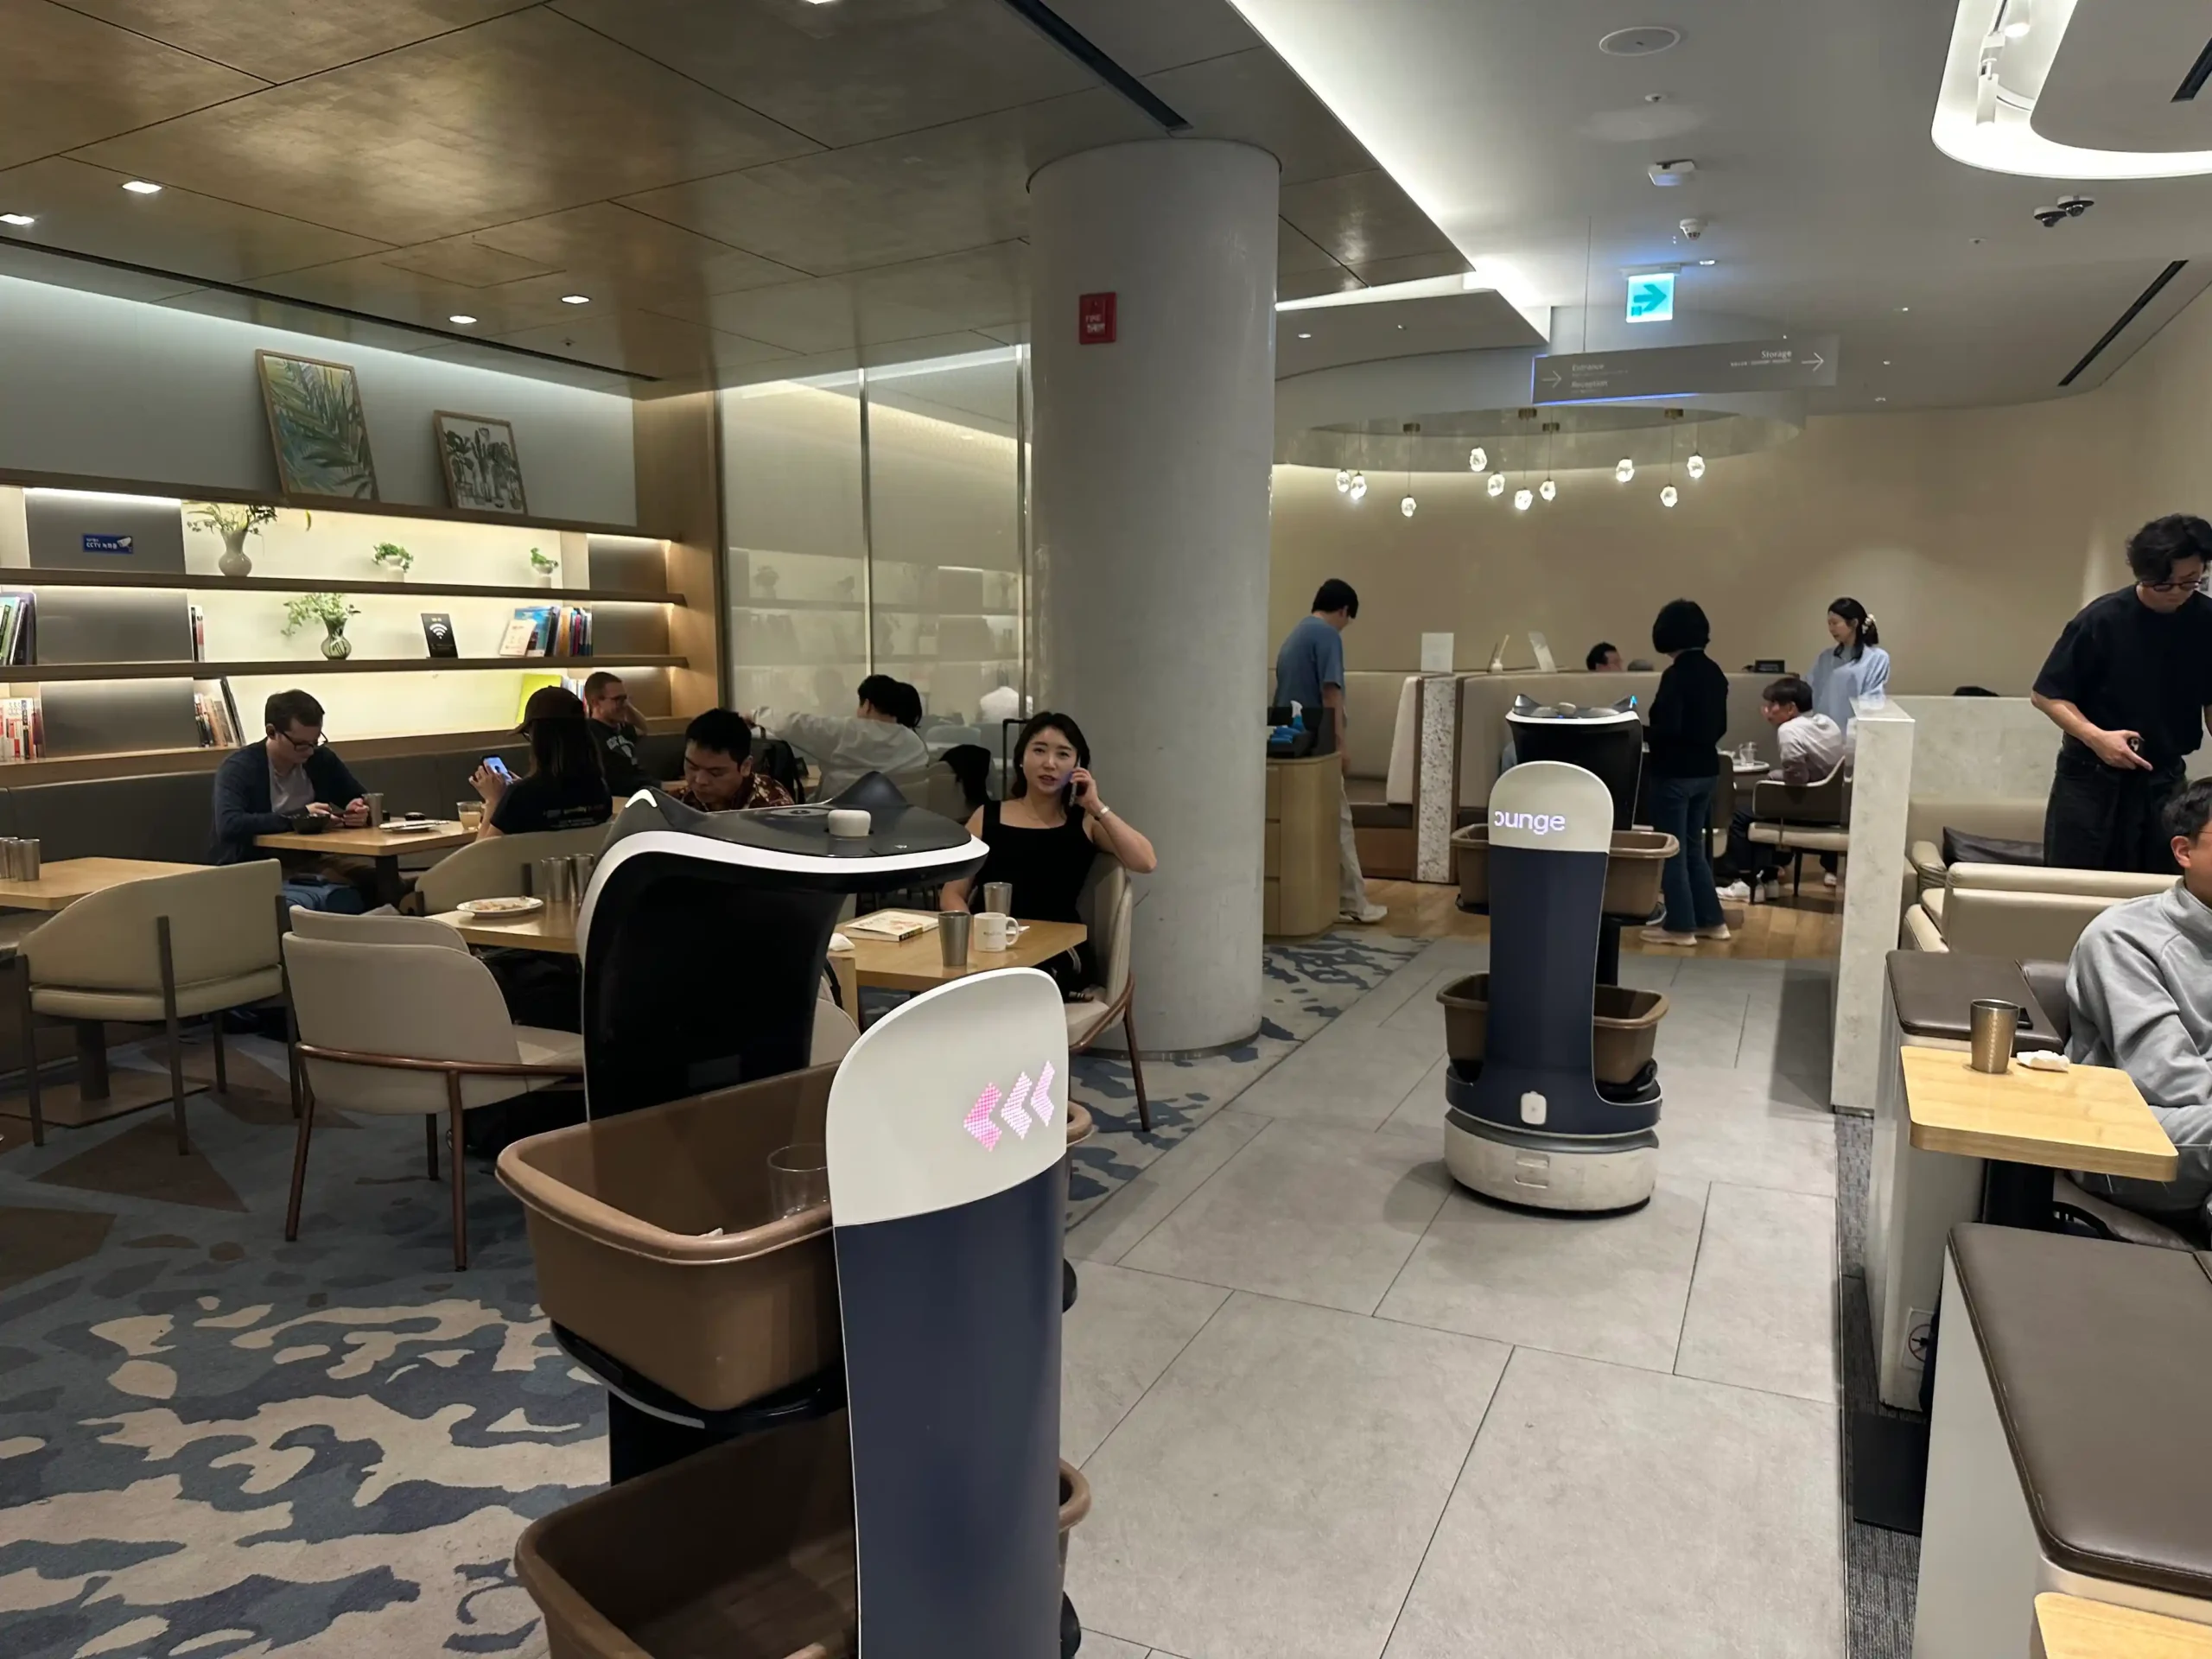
{"points": [[114, 388]]}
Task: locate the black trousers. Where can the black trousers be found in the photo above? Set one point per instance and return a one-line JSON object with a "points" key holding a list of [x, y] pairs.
{"points": [[2102, 818]]}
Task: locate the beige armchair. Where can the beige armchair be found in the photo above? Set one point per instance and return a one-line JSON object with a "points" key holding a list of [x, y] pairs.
{"points": [[493, 868], [2020, 912], [411, 1029], [1801, 818], [377, 927], [1107, 906], [159, 951]]}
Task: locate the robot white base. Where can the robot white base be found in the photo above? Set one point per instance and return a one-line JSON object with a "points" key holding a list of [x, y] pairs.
{"points": [[1578, 1181]]}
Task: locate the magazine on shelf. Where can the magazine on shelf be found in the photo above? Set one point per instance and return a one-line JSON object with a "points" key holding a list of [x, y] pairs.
{"points": [[199, 632], [521, 636], [894, 924], [22, 730], [18, 628]]}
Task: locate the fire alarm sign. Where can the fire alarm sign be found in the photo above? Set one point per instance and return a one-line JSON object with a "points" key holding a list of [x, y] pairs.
{"points": [[1096, 326]]}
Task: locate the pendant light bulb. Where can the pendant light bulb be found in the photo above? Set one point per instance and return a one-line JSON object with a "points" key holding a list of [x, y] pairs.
{"points": [[1497, 484], [1624, 471], [1521, 500], [1343, 481], [1358, 490], [1479, 460], [1695, 466], [1669, 496], [1407, 506], [1548, 490]]}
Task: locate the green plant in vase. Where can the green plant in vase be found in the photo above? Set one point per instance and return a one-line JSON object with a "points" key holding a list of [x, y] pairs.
{"points": [[329, 609], [390, 556], [544, 566], [233, 521]]}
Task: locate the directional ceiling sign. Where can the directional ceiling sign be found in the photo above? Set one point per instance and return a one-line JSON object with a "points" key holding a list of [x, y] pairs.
{"points": [[1684, 370], [1651, 297]]}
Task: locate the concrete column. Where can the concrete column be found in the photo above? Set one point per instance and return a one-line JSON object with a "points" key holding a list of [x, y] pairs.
{"points": [[1150, 476]]}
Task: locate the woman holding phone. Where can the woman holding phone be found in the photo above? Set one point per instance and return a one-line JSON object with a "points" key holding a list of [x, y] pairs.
{"points": [[565, 787], [1045, 836]]}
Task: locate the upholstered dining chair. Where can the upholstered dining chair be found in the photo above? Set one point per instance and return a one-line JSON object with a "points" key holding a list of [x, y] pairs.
{"points": [[1107, 905], [404, 1030], [160, 951], [493, 868]]}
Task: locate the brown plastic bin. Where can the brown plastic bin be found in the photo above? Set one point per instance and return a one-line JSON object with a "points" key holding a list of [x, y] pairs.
{"points": [[620, 1211], [1633, 866], [1624, 1026], [742, 1552]]}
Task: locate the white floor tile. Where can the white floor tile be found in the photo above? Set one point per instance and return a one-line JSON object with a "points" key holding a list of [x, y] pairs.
{"points": [[1762, 1312], [1271, 1497], [1422, 1112], [1353, 1078], [1107, 1232], [1096, 1646], [1720, 1124], [1610, 1288], [1608, 1511], [1307, 1211], [1121, 1333]]}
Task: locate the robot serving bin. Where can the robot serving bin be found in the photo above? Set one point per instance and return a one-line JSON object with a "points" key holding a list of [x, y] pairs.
{"points": [[829, 1429], [1554, 1096]]}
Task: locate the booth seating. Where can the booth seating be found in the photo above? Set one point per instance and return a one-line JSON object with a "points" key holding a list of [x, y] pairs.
{"points": [[1928, 816], [2065, 1452], [2022, 911], [160, 951], [1800, 818]]}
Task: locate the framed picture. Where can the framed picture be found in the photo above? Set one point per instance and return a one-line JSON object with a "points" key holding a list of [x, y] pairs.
{"points": [[317, 429], [477, 453]]}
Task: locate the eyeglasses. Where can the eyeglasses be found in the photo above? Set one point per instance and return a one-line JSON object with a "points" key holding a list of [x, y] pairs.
{"points": [[304, 747], [2192, 587]]}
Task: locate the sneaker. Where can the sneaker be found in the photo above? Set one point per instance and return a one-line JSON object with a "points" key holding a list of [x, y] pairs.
{"points": [[1736, 893], [1828, 880], [1369, 914], [1719, 932], [1657, 935], [1771, 891]]}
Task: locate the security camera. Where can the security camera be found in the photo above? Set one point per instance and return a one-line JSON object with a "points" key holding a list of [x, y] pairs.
{"points": [[1693, 228], [2075, 205], [2049, 217]]}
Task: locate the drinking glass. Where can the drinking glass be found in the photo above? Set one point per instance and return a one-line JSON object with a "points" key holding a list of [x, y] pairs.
{"points": [[799, 1178]]}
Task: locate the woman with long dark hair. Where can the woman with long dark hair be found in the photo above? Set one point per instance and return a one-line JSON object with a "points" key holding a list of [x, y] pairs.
{"points": [[1045, 836], [1689, 716], [565, 787], [1856, 667]]}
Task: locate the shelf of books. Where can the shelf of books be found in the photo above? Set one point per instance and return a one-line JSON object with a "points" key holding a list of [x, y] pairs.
{"points": [[135, 625]]}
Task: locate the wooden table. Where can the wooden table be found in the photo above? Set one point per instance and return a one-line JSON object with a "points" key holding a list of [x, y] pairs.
{"points": [[2071, 1628], [63, 882], [916, 964], [552, 930], [383, 847]]}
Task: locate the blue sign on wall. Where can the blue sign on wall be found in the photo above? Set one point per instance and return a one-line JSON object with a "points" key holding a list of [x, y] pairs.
{"points": [[97, 544], [1651, 296]]}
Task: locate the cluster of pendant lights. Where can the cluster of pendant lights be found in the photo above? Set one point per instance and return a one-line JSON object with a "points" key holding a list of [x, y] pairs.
{"points": [[1353, 484]]}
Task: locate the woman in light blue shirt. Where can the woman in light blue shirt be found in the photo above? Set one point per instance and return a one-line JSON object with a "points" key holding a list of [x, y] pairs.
{"points": [[1858, 667]]}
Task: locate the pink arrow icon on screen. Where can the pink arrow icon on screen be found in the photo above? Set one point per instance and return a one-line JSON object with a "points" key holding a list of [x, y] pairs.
{"points": [[978, 1121]]}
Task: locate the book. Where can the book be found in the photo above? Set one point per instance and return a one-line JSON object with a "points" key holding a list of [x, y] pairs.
{"points": [[894, 924], [437, 634], [199, 632], [521, 635]]}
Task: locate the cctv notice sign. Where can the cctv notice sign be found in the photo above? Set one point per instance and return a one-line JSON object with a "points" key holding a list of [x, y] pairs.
{"points": [[1799, 362]]}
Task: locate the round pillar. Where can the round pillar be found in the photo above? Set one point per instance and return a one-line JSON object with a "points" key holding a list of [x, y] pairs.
{"points": [[1150, 467]]}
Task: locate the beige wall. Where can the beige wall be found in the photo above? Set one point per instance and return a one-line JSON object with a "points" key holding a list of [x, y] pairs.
{"points": [[1972, 534]]}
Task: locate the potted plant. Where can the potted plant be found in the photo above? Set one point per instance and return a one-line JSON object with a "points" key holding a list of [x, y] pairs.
{"points": [[390, 556], [233, 521], [544, 566], [329, 609]]}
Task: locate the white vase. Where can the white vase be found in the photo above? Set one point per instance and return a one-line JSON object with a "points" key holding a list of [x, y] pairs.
{"points": [[234, 562]]}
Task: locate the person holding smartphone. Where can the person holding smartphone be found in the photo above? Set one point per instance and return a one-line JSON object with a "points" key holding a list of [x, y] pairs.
{"points": [[565, 787], [1044, 837]]}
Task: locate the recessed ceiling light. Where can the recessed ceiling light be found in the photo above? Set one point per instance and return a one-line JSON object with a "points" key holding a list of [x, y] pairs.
{"points": [[1704, 262], [1885, 362], [1639, 42], [140, 187], [575, 299], [17, 220], [1905, 308], [1306, 336], [1881, 400], [461, 317]]}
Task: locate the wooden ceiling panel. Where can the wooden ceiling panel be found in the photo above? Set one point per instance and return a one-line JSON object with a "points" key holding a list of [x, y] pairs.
{"points": [[282, 40], [1362, 217], [518, 117], [1254, 97], [66, 80], [1145, 36], [646, 343], [647, 259]]}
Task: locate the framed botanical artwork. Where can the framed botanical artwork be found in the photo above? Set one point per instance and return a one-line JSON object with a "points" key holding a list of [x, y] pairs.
{"points": [[478, 452], [317, 429]]}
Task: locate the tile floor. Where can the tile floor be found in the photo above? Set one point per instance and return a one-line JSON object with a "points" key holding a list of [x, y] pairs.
{"points": [[1332, 1407]]}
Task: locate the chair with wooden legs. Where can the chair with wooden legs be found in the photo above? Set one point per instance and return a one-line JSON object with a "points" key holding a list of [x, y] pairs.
{"points": [[411, 1029], [1107, 906], [159, 951]]}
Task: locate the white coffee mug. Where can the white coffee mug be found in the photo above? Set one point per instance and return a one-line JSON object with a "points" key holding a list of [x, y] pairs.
{"points": [[994, 930]]}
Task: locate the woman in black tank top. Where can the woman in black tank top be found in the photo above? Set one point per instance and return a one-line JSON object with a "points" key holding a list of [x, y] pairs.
{"points": [[1046, 837]]}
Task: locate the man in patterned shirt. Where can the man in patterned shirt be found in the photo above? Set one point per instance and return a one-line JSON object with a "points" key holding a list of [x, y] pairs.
{"points": [[719, 775]]}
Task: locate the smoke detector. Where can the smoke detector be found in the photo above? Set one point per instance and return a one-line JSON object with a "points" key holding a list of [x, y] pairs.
{"points": [[1668, 174]]}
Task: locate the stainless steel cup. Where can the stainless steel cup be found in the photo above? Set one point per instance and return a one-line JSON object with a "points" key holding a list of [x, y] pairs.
{"points": [[30, 860], [952, 930], [1992, 1026], [375, 799], [999, 896], [579, 874], [12, 859], [553, 880]]}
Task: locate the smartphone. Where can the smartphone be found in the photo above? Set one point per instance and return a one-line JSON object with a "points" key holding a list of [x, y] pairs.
{"points": [[492, 763]]}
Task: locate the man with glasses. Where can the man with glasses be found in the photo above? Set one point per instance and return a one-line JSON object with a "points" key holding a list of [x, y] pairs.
{"points": [[2129, 684], [292, 780]]}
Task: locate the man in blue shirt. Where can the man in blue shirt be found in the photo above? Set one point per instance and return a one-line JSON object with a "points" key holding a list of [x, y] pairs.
{"points": [[1310, 671]]}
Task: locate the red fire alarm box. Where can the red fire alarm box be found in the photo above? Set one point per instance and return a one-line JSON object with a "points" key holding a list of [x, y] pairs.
{"points": [[1096, 327]]}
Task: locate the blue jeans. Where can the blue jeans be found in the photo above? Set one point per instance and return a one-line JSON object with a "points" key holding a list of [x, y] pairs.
{"points": [[1682, 807], [319, 893]]}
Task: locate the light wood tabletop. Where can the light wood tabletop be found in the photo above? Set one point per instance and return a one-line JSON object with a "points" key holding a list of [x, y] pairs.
{"points": [[443, 836], [918, 963], [552, 929], [2072, 1628], [63, 882], [2085, 1117]]}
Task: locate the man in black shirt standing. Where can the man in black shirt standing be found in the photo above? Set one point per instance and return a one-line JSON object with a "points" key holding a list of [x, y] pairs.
{"points": [[2130, 683]]}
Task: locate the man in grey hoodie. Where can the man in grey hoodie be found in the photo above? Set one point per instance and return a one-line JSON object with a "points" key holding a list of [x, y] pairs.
{"points": [[2140, 984]]}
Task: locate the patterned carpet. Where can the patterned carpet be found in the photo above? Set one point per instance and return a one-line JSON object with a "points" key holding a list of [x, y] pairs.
{"points": [[213, 1443]]}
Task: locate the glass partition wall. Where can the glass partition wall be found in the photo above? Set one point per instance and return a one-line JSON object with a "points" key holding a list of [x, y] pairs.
{"points": [[874, 524]]}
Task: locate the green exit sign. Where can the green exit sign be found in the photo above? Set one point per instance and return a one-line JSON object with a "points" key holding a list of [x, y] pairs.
{"points": [[1651, 297]]}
